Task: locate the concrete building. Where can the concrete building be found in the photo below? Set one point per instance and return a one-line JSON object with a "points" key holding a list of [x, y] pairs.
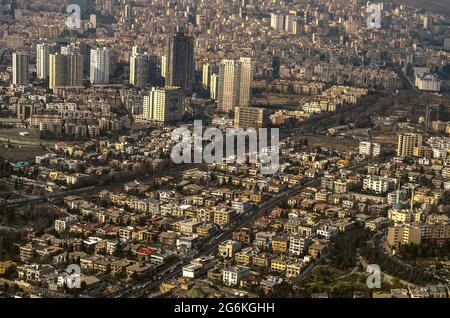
{"points": [[21, 75], [298, 244], [277, 21], [233, 276], [142, 69], [379, 184], [229, 248], [180, 62], [403, 235], [101, 65], [164, 104], [235, 81], [246, 81], [370, 149], [406, 143], [250, 117], [43, 51], [65, 70], [214, 86], [428, 82]]}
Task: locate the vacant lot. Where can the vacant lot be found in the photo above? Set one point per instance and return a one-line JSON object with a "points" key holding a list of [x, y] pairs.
{"points": [[13, 133], [333, 142], [20, 153]]}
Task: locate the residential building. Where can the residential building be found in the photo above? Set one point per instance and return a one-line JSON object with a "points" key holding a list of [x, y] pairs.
{"points": [[163, 105], [21, 74], [406, 143], [180, 62]]}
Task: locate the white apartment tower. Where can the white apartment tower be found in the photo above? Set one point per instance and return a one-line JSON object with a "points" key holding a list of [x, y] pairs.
{"points": [[214, 86], [43, 51], [101, 65]]}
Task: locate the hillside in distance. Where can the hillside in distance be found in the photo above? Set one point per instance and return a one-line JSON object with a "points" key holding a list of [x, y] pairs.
{"points": [[437, 6]]}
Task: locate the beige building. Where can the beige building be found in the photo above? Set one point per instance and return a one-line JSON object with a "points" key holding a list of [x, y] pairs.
{"points": [[65, 70], [229, 248], [404, 235], [250, 117], [164, 104], [406, 143], [223, 216], [235, 81]]}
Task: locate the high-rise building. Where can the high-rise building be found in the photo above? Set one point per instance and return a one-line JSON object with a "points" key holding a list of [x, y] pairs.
{"points": [[180, 62], [79, 48], [289, 21], [163, 66], [276, 65], [142, 69], [235, 81], [229, 81], [214, 86], [206, 76], [65, 70], [432, 113], [428, 22], [43, 51], [246, 80], [250, 117], [277, 21], [20, 68], [164, 104], [447, 44], [101, 65], [407, 142], [70, 49], [128, 12], [57, 70], [428, 82], [106, 7]]}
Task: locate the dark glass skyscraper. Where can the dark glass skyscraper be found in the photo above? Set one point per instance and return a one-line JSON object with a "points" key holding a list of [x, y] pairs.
{"points": [[180, 61]]}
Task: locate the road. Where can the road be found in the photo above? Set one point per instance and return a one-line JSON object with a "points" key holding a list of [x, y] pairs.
{"points": [[92, 190], [405, 79], [239, 222]]}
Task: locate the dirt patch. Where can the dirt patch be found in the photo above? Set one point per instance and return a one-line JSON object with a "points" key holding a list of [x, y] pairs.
{"points": [[333, 142], [20, 153]]}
